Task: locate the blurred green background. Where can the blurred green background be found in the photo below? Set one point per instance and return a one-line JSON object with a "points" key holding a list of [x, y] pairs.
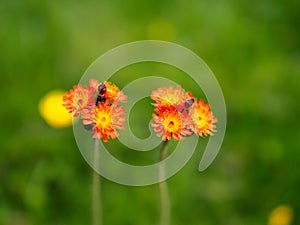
{"points": [[253, 47]]}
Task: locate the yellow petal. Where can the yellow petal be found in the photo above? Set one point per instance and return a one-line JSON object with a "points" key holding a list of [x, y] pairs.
{"points": [[51, 109]]}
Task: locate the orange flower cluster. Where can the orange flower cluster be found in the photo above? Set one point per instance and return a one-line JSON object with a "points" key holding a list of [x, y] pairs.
{"points": [[98, 106], [178, 114]]}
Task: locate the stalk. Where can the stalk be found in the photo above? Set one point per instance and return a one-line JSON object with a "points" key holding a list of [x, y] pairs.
{"points": [[96, 186], [163, 189]]}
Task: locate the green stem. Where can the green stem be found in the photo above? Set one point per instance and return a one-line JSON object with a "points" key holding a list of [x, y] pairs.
{"points": [[96, 201], [163, 189]]}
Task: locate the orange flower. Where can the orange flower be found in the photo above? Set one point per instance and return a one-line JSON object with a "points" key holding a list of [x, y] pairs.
{"points": [[166, 96], [93, 83], [177, 114], [87, 116], [113, 93], [106, 119], [99, 113], [170, 123], [203, 119], [77, 99], [169, 118]]}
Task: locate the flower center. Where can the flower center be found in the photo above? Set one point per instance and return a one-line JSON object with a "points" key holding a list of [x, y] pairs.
{"points": [[171, 124], [172, 121]]}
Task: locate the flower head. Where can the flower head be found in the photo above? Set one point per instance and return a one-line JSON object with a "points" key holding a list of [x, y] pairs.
{"points": [[170, 123], [178, 114], [169, 119], [106, 119], [51, 110], [282, 215], [110, 91], [93, 83], [78, 98], [203, 119], [166, 96], [113, 93], [99, 112]]}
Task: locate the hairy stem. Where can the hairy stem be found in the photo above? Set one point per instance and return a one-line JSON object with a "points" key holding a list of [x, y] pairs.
{"points": [[96, 200], [163, 189]]}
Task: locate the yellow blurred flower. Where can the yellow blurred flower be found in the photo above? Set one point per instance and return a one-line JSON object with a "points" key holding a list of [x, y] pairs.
{"points": [[281, 215], [50, 108]]}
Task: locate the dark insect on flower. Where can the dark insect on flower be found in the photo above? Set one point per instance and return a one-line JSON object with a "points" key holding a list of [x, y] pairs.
{"points": [[101, 92], [102, 89], [100, 114], [188, 103], [178, 114], [88, 126]]}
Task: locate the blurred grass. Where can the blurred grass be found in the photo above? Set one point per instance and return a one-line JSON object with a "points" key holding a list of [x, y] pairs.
{"points": [[252, 47]]}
